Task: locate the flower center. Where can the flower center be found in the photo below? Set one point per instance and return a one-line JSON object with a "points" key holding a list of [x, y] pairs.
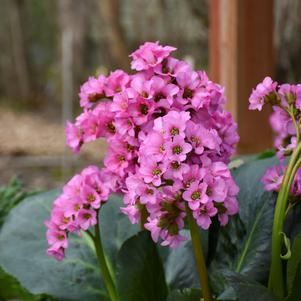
{"points": [[156, 171], [144, 94], [111, 127], [195, 195], [149, 191], [121, 158], [187, 93], [60, 237], [175, 165], [90, 198], [177, 149], [158, 97], [196, 140], [174, 131], [144, 109], [76, 207], [93, 97], [66, 220], [86, 215], [162, 149]]}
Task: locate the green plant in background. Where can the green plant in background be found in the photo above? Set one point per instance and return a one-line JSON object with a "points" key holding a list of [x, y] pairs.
{"points": [[10, 196]]}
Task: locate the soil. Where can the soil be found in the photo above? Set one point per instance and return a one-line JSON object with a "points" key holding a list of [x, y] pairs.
{"points": [[33, 148]]}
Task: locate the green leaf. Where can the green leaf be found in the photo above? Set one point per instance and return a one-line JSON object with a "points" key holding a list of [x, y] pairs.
{"points": [[180, 267], [10, 196], [244, 244], [185, 295], [140, 274], [294, 271], [10, 288], [247, 289], [23, 252], [115, 227]]}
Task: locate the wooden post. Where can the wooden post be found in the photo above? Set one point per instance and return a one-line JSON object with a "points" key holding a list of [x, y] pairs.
{"points": [[241, 54]]}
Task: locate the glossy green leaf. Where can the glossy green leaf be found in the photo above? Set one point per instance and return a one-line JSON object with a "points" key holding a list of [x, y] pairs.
{"points": [[247, 289], [180, 265], [140, 274], [294, 271], [23, 246], [244, 244], [185, 295]]}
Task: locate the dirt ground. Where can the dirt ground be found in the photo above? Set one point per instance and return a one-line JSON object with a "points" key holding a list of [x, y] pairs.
{"points": [[33, 148]]}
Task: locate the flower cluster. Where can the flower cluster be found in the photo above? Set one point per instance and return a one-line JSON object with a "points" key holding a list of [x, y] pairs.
{"points": [[169, 141], [285, 121], [76, 208]]}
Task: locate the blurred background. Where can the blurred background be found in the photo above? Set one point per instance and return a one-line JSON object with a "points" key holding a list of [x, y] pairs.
{"points": [[49, 47]]}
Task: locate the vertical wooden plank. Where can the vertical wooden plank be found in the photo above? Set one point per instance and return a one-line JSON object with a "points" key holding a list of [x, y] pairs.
{"points": [[242, 32]]}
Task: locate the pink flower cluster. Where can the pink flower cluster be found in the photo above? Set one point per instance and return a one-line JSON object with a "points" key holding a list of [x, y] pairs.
{"points": [[169, 141], [76, 208], [286, 102]]}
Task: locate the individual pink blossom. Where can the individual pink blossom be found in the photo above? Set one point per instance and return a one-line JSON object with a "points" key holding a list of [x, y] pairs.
{"points": [[86, 218], [92, 91], [74, 137], [149, 55], [257, 98], [172, 124], [196, 195], [203, 215], [116, 82], [273, 177], [177, 149]]}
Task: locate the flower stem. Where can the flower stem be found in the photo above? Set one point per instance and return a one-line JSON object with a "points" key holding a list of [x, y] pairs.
{"points": [[276, 282], [143, 217], [103, 265], [198, 255]]}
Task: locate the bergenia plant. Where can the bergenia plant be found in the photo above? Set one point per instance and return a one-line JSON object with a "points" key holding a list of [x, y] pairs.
{"points": [[285, 178], [169, 143]]}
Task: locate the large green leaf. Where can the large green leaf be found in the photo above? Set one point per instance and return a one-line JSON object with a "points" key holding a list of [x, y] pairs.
{"points": [[180, 267], [247, 289], [244, 244], [115, 227], [185, 295], [140, 274], [294, 271], [10, 288], [23, 246]]}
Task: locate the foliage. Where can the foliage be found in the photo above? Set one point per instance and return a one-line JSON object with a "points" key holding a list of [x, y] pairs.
{"points": [[144, 271]]}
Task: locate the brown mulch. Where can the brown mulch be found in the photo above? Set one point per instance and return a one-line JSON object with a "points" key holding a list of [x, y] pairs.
{"points": [[34, 148]]}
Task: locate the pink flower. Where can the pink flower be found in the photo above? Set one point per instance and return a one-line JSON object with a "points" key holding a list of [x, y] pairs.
{"points": [[92, 91], [154, 145], [169, 142], [203, 215], [172, 124], [116, 82], [74, 137], [177, 149], [195, 195], [151, 171], [191, 89], [149, 55], [172, 67], [201, 138], [58, 254], [86, 218], [262, 90], [132, 212], [57, 238], [273, 177]]}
